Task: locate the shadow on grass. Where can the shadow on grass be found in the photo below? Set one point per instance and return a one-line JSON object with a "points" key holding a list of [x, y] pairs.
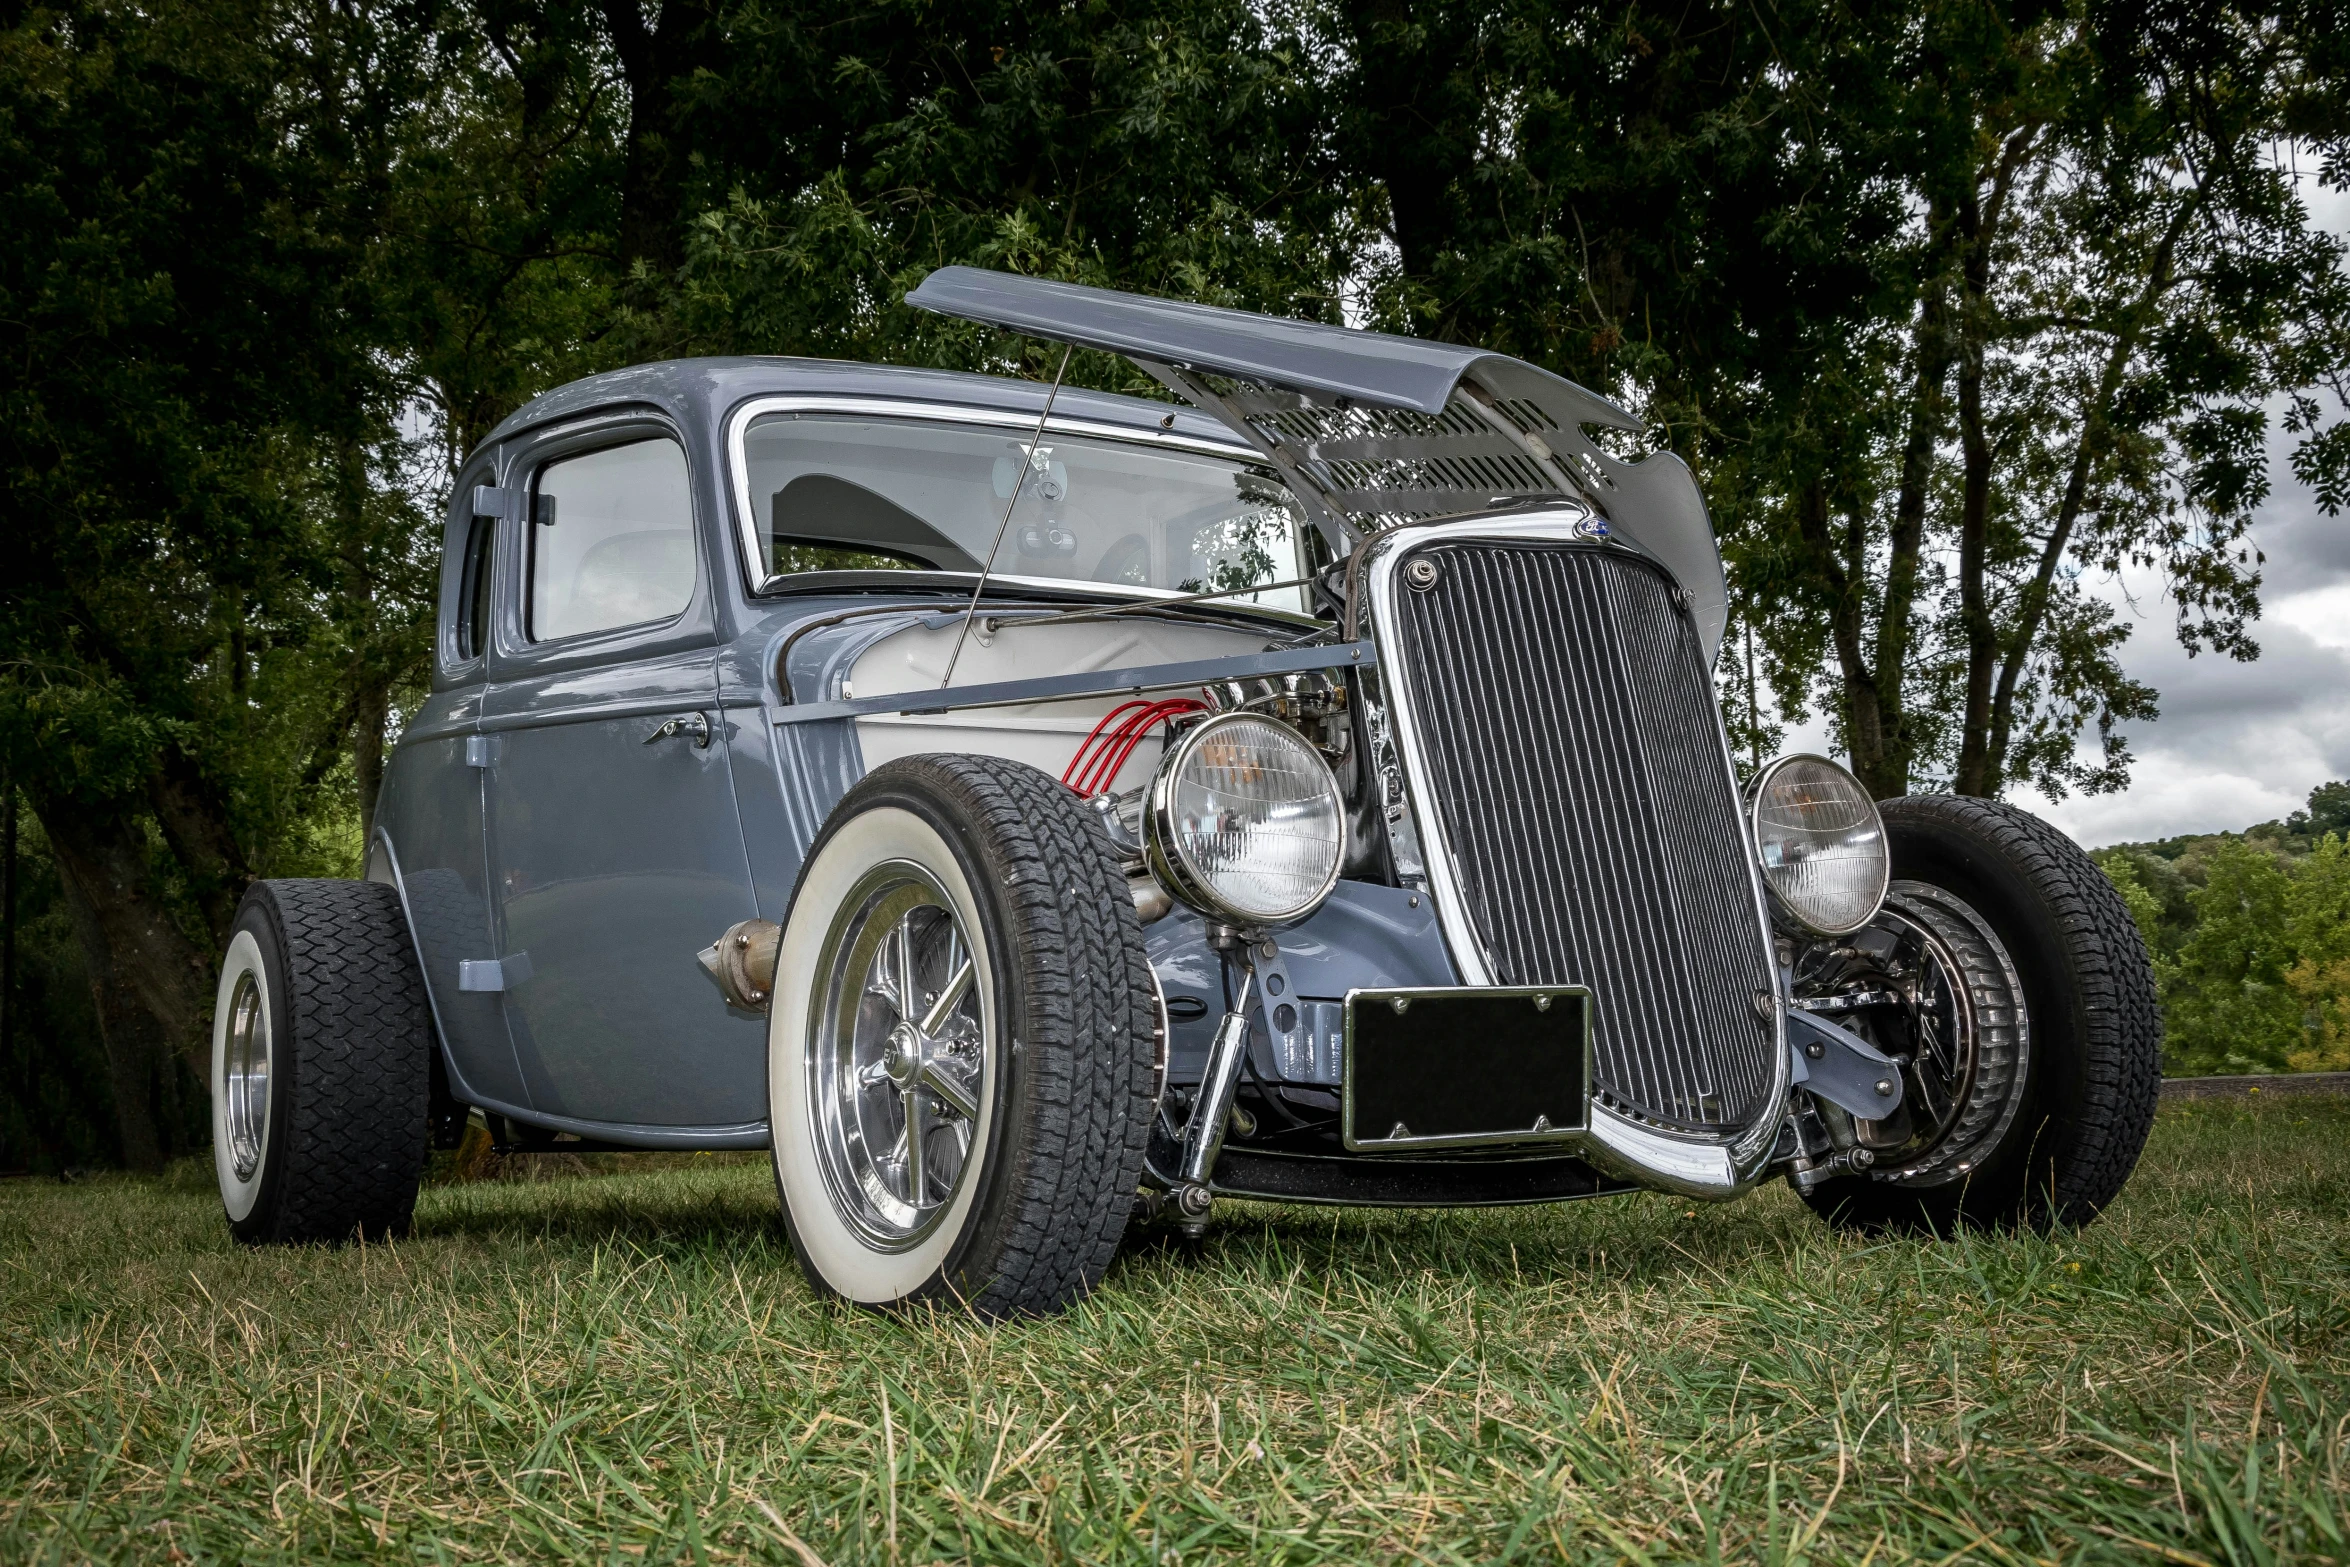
{"points": [[1636, 1241], [705, 1211]]}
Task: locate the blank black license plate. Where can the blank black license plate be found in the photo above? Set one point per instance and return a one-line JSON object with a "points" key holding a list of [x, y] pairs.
{"points": [[1459, 1068]]}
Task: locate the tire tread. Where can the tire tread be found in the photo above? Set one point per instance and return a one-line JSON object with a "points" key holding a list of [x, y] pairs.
{"points": [[2087, 1152], [357, 1050], [1083, 1030]]}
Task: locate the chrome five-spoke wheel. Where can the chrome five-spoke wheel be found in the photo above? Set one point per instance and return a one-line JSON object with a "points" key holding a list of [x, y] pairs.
{"points": [[898, 1061]]}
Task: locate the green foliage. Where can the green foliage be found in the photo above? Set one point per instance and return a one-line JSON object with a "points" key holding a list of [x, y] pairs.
{"points": [[2250, 937], [219, 556], [2224, 993], [628, 1367], [2328, 811]]}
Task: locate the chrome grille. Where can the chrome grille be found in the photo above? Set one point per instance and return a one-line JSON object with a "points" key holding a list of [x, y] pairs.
{"points": [[1575, 768]]}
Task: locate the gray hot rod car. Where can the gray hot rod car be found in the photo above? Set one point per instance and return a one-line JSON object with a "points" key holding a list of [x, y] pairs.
{"points": [[1020, 807]]}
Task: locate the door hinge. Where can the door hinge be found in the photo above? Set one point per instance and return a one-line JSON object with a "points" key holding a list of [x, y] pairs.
{"points": [[504, 505], [493, 973], [481, 750]]}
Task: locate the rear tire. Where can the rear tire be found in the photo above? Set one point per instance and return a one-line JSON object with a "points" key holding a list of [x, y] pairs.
{"points": [[2092, 1031], [322, 1042], [974, 1131]]}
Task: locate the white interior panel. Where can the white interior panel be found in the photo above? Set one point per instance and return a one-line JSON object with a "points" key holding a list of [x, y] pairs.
{"points": [[1045, 735]]}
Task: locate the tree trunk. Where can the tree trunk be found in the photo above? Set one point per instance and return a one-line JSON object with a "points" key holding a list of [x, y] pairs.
{"points": [[1974, 593], [2033, 607], [1979, 226], [367, 760], [654, 60], [1418, 121], [1888, 778], [145, 976], [195, 827], [1839, 564], [141, 963]]}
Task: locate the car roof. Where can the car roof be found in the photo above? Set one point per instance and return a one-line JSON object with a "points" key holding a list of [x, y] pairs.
{"points": [[710, 387]]}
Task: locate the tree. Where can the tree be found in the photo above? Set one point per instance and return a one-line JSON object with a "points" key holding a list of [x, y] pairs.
{"points": [[1171, 147], [1949, 304], [2116, 274], [195, 460]]}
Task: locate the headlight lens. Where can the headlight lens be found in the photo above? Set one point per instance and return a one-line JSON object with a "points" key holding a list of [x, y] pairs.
{"points": [[1245, 822], [1822, 843]]}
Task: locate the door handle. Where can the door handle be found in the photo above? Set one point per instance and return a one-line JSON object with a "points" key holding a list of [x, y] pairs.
{"points": [[695, 726]]}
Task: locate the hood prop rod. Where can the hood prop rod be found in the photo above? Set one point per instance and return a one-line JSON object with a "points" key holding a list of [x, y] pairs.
{"points": [[1027, 461]]}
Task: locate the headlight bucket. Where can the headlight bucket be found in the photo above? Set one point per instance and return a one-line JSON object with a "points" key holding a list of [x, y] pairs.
{"points": [[1821, 842], [1245, 823]]}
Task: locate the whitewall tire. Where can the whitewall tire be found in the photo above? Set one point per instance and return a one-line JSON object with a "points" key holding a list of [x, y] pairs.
{"points": [[960, 1046]]}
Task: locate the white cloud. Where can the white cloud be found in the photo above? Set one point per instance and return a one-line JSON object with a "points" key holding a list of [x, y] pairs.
{"points": [[2236, 743]]}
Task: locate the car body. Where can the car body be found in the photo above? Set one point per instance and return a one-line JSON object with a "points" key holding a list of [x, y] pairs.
{"points": [[689, 609]]}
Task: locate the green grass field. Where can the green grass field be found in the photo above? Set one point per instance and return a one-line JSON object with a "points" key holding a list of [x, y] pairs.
{"points": [[627, 1367]]}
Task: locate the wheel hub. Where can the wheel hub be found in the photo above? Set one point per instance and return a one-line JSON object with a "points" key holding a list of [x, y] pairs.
{"points": [[1930, 985], [245, 1078], [901, 1057], [898, 1056]]}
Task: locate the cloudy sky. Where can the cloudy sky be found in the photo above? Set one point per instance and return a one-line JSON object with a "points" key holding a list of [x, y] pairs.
{"points": [[2236, 743]]}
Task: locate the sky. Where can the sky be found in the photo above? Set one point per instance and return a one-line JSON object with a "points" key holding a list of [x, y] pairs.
{"points": [[2236, 743]]}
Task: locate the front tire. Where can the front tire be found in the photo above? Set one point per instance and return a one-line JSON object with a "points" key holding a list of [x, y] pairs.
{"points": [[960, 1047], [2068, 1035], [322, 1044]]}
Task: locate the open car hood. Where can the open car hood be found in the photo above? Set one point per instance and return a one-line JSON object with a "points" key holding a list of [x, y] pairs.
{"points": [[1373, 429]]}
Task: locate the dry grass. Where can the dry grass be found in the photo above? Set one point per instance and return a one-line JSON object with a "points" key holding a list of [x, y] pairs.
{"points": [[628, 1367]]}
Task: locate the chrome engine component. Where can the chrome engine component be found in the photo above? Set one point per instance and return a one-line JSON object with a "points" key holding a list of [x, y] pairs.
{"points": [[1211, 1111], [743, 962]]}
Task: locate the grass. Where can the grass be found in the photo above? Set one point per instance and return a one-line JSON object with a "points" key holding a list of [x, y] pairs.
{"points": [[628, 1367]]}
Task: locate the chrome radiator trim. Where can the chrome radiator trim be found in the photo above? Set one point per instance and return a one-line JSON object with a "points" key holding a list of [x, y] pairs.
{"points": [[1696, 1163]]}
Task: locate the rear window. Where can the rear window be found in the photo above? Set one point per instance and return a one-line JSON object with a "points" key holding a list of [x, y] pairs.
{"points": [[834, 492]]}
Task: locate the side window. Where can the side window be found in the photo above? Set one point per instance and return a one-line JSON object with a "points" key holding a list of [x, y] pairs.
{"points": [[473, 604], [611, 540]]}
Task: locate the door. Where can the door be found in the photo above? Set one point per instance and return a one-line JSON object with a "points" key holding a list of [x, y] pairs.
{"points": [[616, 852], [429, 823]]}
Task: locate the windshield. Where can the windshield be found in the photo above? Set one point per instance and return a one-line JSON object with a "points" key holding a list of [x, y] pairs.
{"points": [[835, 492]]}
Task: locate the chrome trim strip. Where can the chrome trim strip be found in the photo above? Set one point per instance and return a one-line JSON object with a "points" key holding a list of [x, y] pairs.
{"points": [[739, 424], [1697, 1167]]}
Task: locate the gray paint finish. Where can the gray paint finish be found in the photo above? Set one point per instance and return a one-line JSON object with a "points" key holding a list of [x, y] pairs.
{"points": [[616, 860], [1332, 361], [607, 863], [1655, 502], [1366, 937]]}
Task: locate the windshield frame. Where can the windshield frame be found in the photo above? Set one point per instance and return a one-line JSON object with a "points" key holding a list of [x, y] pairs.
{"points": [[763, 584]]}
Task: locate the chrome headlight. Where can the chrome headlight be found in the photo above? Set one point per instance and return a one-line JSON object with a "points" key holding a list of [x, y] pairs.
{"points": [[1822, 844], [1245, 823]]}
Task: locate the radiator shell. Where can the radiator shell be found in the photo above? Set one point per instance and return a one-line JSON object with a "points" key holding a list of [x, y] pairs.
{"points": [[1571, 775]]}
